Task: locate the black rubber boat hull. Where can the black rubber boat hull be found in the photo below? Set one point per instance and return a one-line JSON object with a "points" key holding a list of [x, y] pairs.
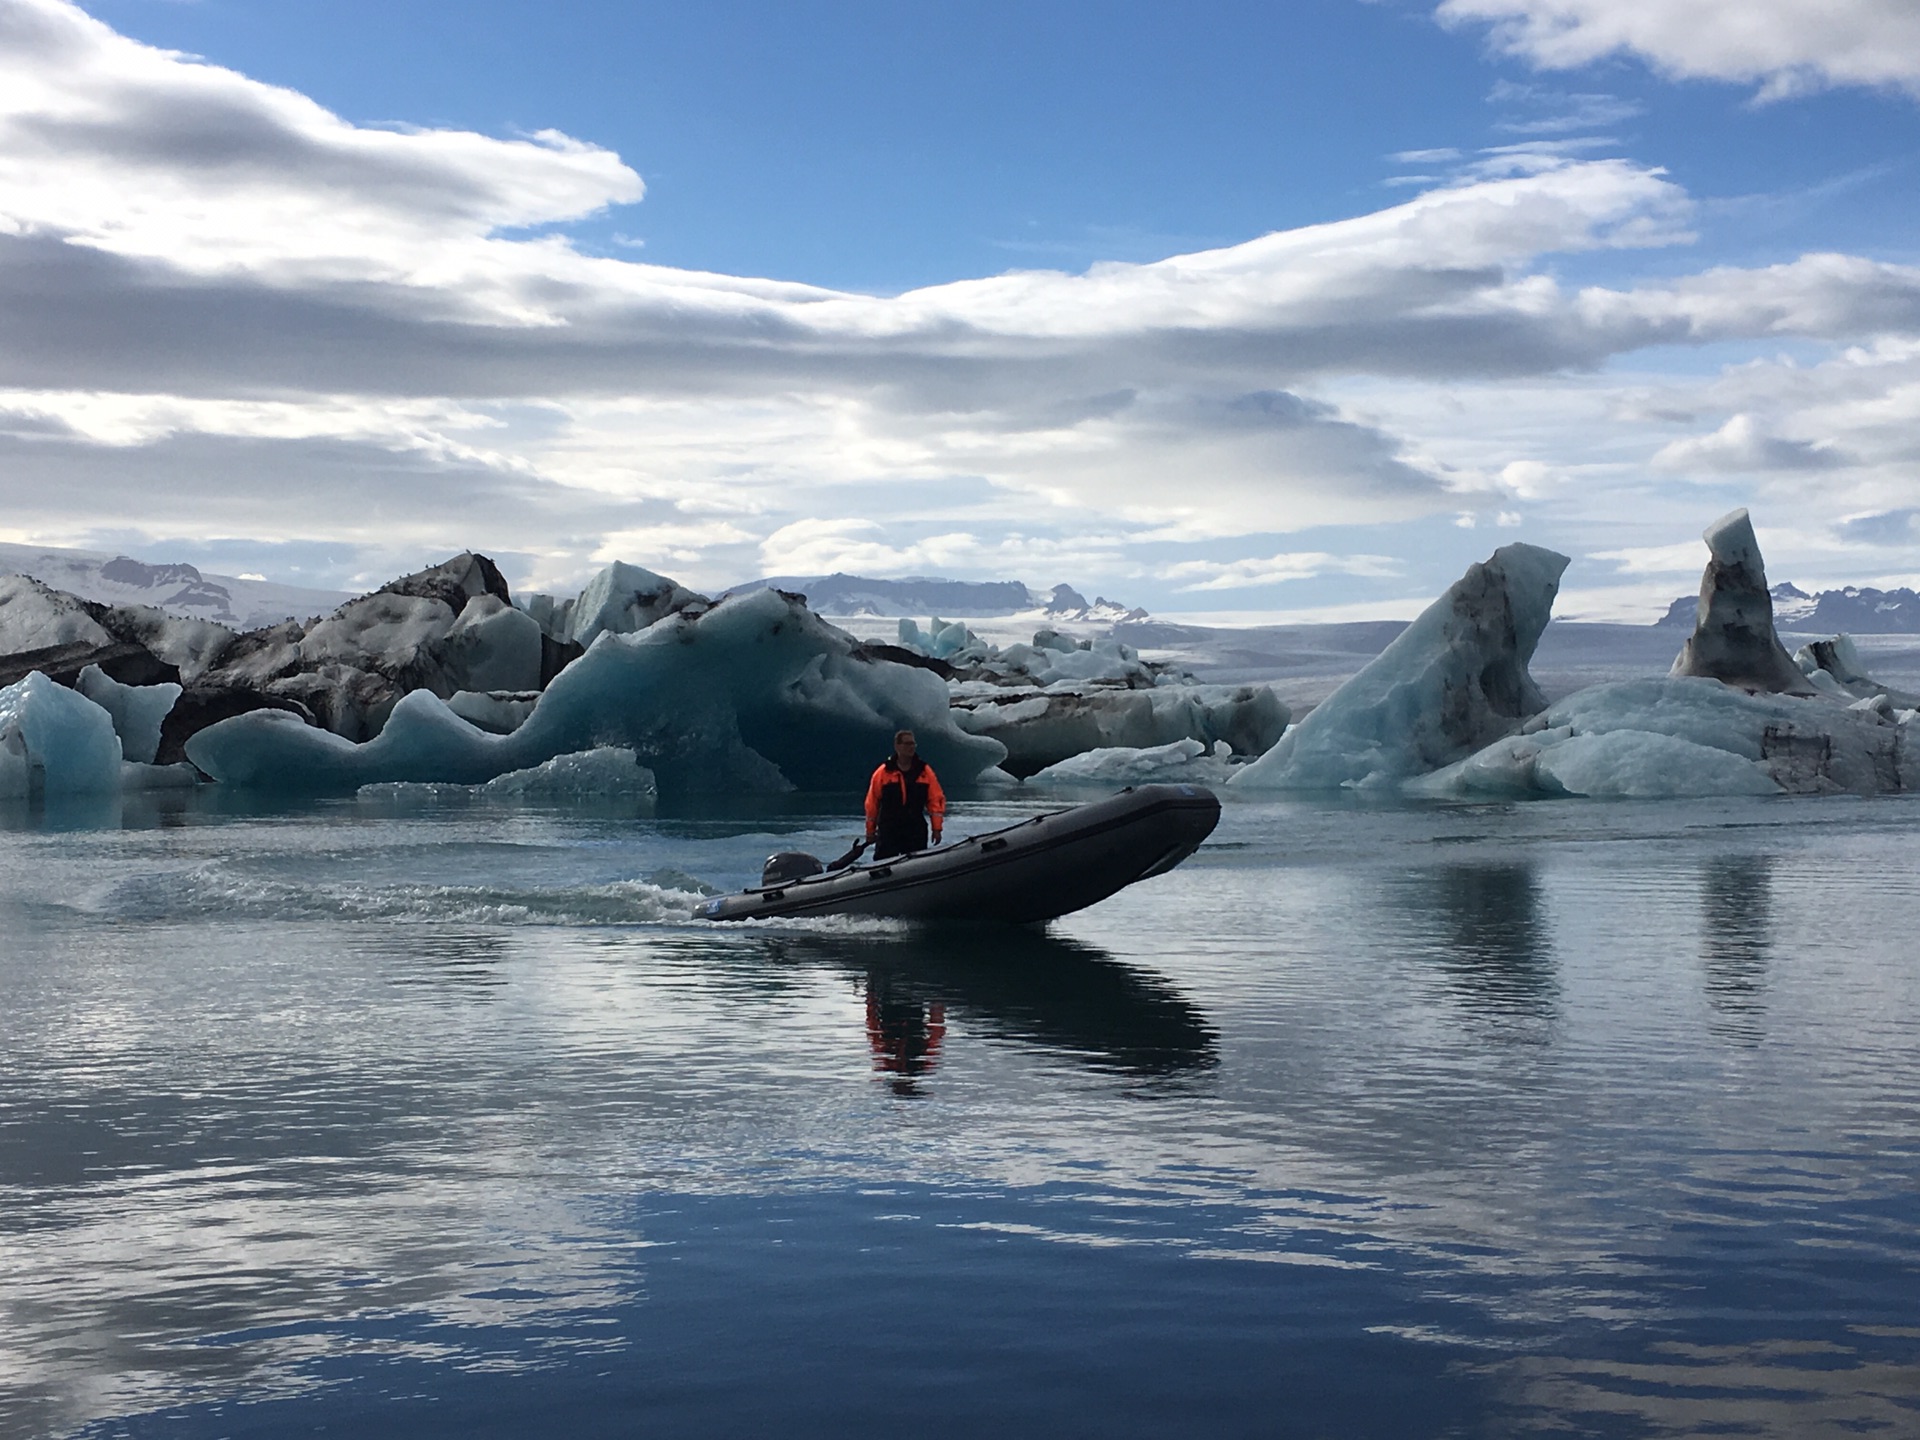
{"points": [[1035, 870]]}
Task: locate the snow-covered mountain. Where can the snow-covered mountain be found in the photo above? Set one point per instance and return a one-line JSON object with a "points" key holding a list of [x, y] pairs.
{"points": [[1851, 610], [181, 590], [924, 595]]}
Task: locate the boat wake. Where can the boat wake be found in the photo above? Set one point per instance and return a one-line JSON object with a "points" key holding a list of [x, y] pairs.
{"points": [[229, 893]]}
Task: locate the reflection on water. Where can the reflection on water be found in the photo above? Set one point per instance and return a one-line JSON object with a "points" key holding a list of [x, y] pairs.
{"points": [[1494, 944], [471, 963], [904, 1032], [1775, 1388], [383, 1124], [1023, 984], [1736, 941]]}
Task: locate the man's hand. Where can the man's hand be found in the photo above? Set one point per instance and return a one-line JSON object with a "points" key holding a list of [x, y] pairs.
{"points": [[936, 837]]}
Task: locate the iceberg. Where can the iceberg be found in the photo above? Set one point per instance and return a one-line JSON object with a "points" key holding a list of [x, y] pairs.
{"points": [[1622, 765], [60, 634], [1835, 669], [190, 646], [605, 773], [1052, 659], [755, 693], [378, 631], [493, 646], [1451, 682], [136, 711], [1044, 727], [1733, 638], [939, 641], [55, 742], [608, 773], [499, 712], [1184, 761], [622, 599], [34, 617], [453, 630], [1683, 736], [447, 628]]}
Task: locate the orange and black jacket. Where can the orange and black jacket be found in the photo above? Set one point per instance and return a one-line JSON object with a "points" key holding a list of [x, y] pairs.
{"points": [[899, 798]]}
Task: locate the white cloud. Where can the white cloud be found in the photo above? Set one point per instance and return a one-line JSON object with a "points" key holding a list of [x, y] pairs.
{"points": [[1539, 110], [864, 546], [669, 541], [1824, 453], [822, 547], [1277, 569], [1680, 558], [146, 154], [229, 311], [1743, 446], [1784, 45]]}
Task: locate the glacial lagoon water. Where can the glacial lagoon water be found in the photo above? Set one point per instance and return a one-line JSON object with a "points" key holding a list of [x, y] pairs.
{"points": [[372, 1119]]}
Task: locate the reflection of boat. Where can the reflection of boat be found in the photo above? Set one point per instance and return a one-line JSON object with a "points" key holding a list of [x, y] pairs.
{"points": [[1020, 985], [1034, 870]]}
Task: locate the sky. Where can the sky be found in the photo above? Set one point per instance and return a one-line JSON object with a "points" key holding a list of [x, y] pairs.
{"points": [[1240, 310]]}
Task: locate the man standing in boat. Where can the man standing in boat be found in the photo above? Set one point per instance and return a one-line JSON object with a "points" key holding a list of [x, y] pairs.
{"points": [[903, 798]]}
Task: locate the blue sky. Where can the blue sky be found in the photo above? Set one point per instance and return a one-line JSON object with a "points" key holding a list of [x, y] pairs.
{"points": [[1561, 270], [880, 146]]}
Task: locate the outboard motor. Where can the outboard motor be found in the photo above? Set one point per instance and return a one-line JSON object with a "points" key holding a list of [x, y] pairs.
{"points": [[788, 866]]}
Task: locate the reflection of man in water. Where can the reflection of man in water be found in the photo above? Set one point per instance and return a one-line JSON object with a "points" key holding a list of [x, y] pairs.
{"points": [[903, 1034], [903, 797]]}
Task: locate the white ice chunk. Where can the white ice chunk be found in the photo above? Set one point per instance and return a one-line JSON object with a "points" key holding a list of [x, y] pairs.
{"points": [[943, 641], [191, 646], [382, 628], [1683, 735], [756, 693], [606, 773], [493, 646], [1043, 729], [1449, 684], [34, 617], [498, 713], [1621, 764], [1630, 764], [1183, 760], [137, 711], [56, 741], [1095, 663], [1839, 657], [157, 777], [621, 600], [1835, 669], [1705, 712]]}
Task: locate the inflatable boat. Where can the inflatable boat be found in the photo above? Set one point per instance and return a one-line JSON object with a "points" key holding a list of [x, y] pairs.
{"points": [[1031, 871]]}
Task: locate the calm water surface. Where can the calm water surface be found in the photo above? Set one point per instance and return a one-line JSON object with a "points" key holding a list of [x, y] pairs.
{"points": [[1569, 1119]]}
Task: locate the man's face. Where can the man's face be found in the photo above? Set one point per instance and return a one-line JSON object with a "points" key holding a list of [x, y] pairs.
{"points": [[903, 749]]}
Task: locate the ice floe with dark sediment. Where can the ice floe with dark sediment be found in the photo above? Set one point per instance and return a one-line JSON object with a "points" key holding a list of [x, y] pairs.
{"points": [[754, 694], [1453, 680]]}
